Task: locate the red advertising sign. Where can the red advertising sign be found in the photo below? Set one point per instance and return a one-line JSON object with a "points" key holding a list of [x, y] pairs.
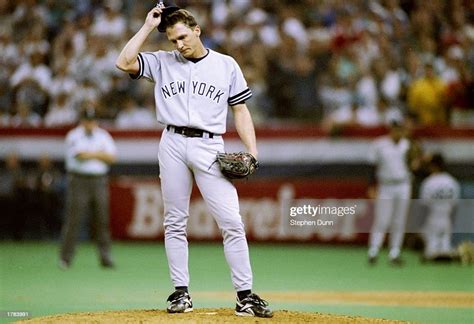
{"points": [[272, 210]]}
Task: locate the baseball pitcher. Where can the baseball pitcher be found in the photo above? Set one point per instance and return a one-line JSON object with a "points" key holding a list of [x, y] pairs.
{"points": [[194, 86]]}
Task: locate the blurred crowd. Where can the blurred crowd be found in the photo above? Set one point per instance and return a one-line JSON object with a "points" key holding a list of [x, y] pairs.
{"points": [[31, 198], [333, 62]]}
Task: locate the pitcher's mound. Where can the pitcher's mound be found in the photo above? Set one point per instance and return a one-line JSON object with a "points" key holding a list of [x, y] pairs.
{"points": [[202, 315]]}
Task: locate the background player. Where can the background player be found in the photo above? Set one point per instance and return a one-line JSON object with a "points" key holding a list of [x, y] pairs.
{"points": [[391, 157], [193, 88], [89, 152], [439, 192]]}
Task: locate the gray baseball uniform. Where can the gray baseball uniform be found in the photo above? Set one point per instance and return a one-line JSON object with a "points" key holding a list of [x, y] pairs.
{"points": [[197, 95], [393, 197], [439, 192]]}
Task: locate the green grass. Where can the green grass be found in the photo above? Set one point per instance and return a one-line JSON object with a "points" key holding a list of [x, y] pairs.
{"points": [[31, 280]]}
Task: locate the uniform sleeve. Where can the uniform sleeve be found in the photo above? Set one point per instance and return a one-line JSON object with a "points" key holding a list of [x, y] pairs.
{"points": [[72, 149], [239, 92], [149, 65], [424, 193], [457, 190], [109, 144], [373, 153]]}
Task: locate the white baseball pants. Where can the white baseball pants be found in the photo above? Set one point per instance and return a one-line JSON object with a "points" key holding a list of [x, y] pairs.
{"points": [[181, 159], [391, 210]]}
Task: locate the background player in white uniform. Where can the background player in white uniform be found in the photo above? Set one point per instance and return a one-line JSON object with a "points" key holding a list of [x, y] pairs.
{"points": [[194, 86], [439, 192], [390, 154]]}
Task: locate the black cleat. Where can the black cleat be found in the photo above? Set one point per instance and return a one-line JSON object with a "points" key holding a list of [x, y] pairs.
{"points": [[398, 262], [252, 305], [372, 260], [107, 264], [179, 302]]}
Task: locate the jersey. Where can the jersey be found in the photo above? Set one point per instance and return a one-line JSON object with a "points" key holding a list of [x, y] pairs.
{"points": [[390, 159], [440, 191], [194, 94], [77, 141]]}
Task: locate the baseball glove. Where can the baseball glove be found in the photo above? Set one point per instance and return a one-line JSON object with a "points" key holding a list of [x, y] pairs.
{"points": [[466, 252], [237, 165]]}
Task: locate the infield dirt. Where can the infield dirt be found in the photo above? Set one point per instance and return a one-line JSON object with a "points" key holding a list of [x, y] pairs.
{"points": [[226, 315], [204, 315]]}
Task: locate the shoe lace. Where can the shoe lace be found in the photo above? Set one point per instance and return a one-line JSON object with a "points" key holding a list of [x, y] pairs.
{"points": [[256, 300], [177, 295]]}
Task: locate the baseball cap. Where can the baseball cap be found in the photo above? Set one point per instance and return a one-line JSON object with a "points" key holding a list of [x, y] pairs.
{"points": [[437, 159], [395, 121], [88, 114], [170, 7]]}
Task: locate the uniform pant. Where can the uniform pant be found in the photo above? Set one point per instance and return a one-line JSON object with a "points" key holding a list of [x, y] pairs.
{"points": [[438, 229], [391, 210], [86, 194], [181, 159]]}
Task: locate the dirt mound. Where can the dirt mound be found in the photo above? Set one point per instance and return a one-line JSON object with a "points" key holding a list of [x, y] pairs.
{"points": [[203, 315]]}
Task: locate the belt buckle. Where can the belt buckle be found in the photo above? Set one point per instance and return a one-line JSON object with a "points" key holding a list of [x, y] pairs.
{"points": [[189, 132]]}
